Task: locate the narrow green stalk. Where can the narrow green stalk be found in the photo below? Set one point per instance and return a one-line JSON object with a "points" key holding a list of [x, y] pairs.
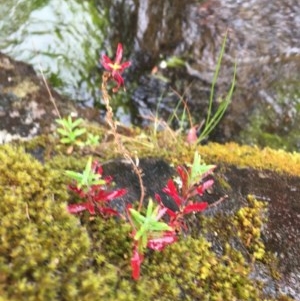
{"points": [[216, 74]]}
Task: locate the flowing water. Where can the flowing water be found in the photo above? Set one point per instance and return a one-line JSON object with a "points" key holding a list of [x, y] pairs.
{"points": [[174, 46]]}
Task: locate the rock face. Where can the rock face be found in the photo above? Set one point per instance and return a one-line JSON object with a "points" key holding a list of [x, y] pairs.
{"points": [[26, 109], [261, 39], [281, 234], [25, 106]]}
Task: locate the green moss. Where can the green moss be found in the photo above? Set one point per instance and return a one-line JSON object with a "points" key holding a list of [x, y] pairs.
{"points": [[248, 156], [43, 248], [48, 254], [249, 222]]}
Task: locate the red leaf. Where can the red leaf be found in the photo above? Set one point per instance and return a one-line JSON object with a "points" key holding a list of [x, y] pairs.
{"points": [[79, 207], [119, 53], [136, 261], [203, 187], [192, 135], [183, 173], [97, 168], [116, 68], [158, 244], [108, 211], [77, 190], [106, 62], [104, 196], [197, 207], [171, 190], [158, 198], [170, 212], [108, 179]]}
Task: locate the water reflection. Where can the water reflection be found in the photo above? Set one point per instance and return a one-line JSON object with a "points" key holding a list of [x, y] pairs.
{"points": [[62, 36]]}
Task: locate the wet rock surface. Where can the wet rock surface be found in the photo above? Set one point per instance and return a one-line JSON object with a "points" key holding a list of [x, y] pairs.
{"points": [[26, 109], [282, 232], [262, 39], [125, 177], [24, 101]]}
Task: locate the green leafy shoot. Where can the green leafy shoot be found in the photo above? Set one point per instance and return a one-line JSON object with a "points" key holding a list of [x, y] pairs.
{"points": [[198, 169], [92, 140], [212, 121], [70, 130], [146, 226], [87, 178]]}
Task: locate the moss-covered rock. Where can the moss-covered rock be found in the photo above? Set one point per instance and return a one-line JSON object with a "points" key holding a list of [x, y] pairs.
{"points": [[43, 249], [48, 254]]}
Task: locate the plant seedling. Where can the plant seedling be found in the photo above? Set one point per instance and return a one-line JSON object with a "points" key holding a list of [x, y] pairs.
{"points": [[87, 178], [191, 184], [70, 131], [198, 170], [147, 227], [92, 140], [149, 232], [94, 189]]}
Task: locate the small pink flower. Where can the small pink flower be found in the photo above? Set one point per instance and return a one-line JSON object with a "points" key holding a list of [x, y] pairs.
{"points": [[116, 68], [191, 137]]}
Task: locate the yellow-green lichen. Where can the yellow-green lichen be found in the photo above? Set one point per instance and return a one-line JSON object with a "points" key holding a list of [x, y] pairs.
{"points": [[248, 156], [249, 221], [42, 246]]}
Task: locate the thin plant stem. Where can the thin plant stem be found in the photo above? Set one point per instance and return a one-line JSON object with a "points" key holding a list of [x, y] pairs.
{"points": [[212, 123], [121, 148], [46, 85], [216, 74]]}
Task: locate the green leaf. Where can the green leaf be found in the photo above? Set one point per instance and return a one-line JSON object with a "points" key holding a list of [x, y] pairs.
{"points": [[212, 121], [77, 122], [79, 132], [60, 121], [87, 178], [175, 61], [63, 132], [198, 169], [137, 217], [66, 140], [160, 226], [74, 175], [149, 208], [140, 233], [92, 139]]}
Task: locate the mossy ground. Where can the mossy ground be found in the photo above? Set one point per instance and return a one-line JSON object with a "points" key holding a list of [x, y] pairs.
{"points": [[48, 254]]}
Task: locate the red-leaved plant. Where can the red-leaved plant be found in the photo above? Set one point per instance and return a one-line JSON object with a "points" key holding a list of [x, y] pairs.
{"points": [[95, 191], [116, 68], [148, 230], [150, 233], [191, 184]]}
